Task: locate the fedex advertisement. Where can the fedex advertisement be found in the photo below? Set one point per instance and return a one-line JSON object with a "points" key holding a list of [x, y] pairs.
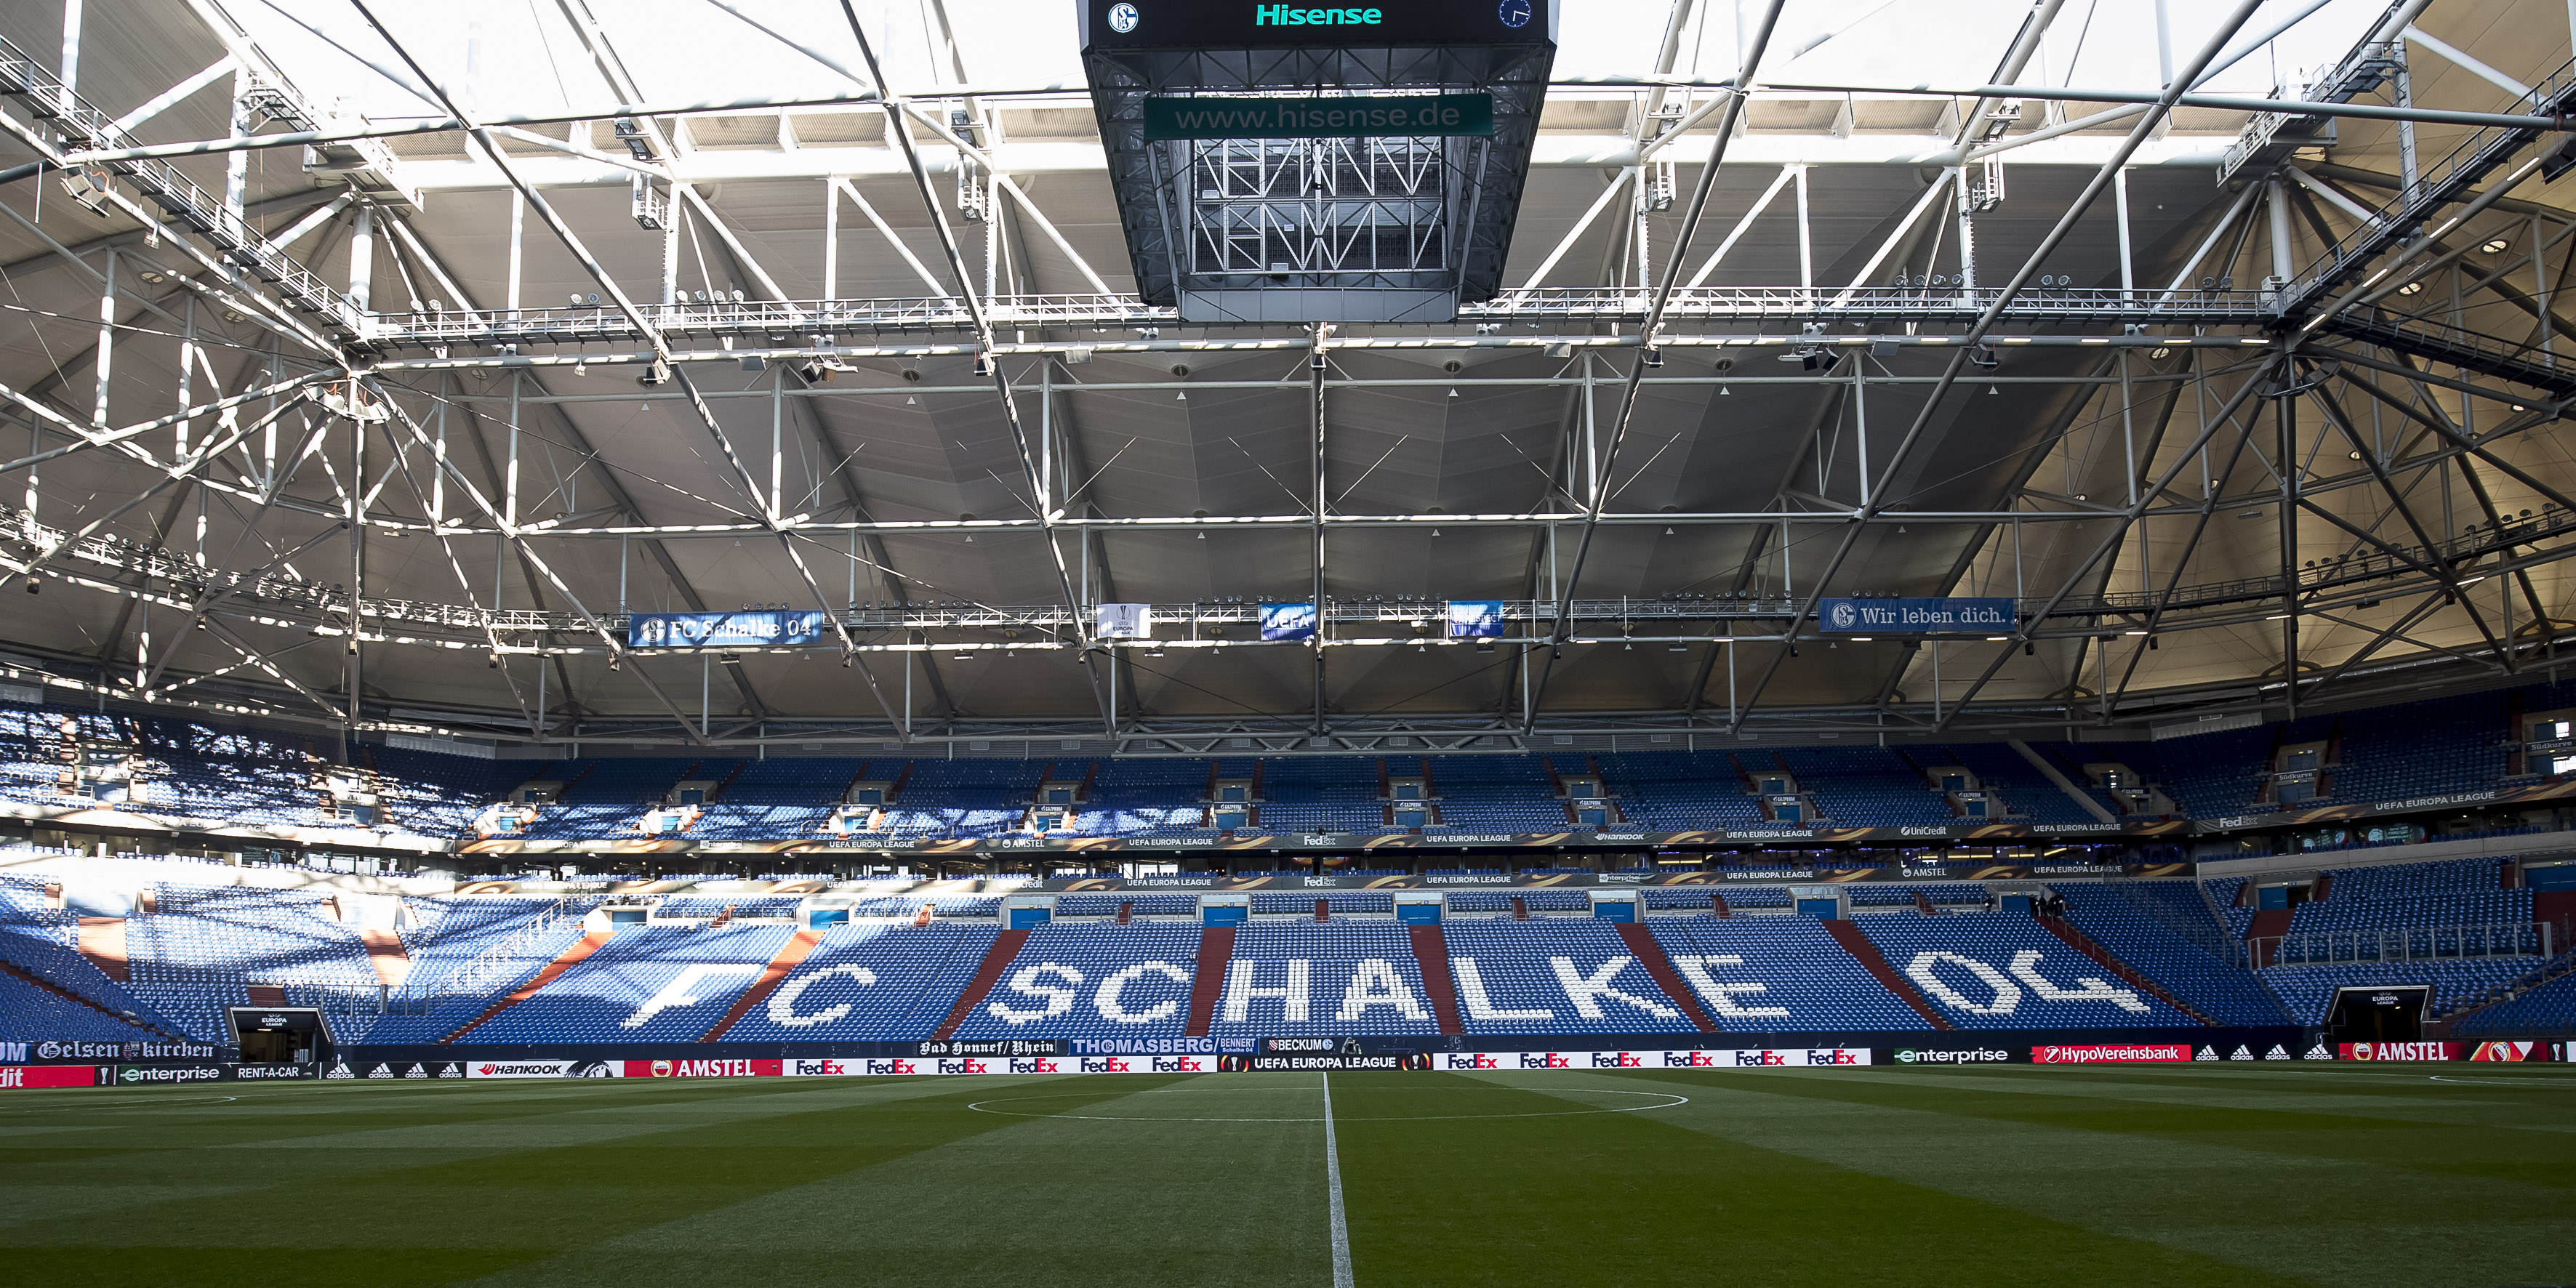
{"points": [[1741, 1058]]}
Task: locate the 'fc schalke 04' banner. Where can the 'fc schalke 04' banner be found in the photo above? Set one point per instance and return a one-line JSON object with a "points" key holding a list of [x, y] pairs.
{"points": [[1475, 619], [766, 628], [1915, 616]]}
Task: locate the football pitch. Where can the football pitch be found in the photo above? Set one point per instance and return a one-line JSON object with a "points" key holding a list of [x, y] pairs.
{"points": [[2341, 1175]]}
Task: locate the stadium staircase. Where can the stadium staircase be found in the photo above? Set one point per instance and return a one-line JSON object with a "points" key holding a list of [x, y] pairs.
{"points": [[1005, 947], [1867, 954], [1649, 954], [570, 957], [1431, 952], [386, 953], [2120, 970], [2263, 934], [791, 955], [102, 942], [1216, 948], [136, 1021]]}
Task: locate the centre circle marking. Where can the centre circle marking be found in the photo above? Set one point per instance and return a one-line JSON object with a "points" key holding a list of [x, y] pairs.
{"points": [[104, 1103], [1668, 1101]]}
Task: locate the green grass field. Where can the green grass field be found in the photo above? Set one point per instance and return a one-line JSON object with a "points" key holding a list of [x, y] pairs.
{"points": [[2093, 1176]]}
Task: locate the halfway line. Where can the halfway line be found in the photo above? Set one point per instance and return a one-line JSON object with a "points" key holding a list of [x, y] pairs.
{"points": [[1333, 1185]]}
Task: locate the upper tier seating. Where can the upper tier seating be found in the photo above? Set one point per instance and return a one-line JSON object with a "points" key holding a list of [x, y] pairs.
{"points": [[1680, 791], [775, 798], [1872, 784], [689, 907], [201, 771]]}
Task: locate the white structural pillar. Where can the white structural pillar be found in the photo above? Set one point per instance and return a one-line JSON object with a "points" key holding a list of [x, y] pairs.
{"points": [[71, 50]]}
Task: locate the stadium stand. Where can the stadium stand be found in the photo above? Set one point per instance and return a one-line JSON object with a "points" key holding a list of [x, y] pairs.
{"points": [[1092, 981], [1789, 976], [868, 981], [1555, 976], [2148, 931], [1359, 980], [649, 983], [1999, 970], [164, 767]]}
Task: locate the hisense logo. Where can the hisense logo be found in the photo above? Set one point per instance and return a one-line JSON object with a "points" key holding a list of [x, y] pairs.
{"points": [[1280, 15]]}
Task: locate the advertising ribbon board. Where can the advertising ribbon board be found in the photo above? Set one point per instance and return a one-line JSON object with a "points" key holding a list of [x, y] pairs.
{"points": [[2141, 1053], [1736, 1058], [1170, 117], [704, 1068], [2400, 1051], [29, 1077]]}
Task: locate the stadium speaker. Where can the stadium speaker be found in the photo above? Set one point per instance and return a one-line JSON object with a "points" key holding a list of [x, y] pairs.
{"points": [[2558, 160]]}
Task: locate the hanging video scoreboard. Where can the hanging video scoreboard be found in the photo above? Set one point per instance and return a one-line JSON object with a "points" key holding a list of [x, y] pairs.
{"points": [[1245, 24]]}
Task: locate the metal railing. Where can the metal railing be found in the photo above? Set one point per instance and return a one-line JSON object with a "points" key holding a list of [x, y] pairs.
{"points": [[2425, 337], [463, 623], [2208, 935], [2406, 943], [797, 321], [505, 960], [76, 121], [2444, 181]]}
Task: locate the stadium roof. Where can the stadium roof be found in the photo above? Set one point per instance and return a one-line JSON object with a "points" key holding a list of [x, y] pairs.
{"points": [[1826, 410]]}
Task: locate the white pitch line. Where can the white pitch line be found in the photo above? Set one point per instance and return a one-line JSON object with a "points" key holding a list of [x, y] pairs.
{"points": [[1333, 1185]]}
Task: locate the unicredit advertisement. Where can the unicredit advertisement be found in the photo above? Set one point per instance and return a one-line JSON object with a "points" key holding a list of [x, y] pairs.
{"points": [[28, 1077]]}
